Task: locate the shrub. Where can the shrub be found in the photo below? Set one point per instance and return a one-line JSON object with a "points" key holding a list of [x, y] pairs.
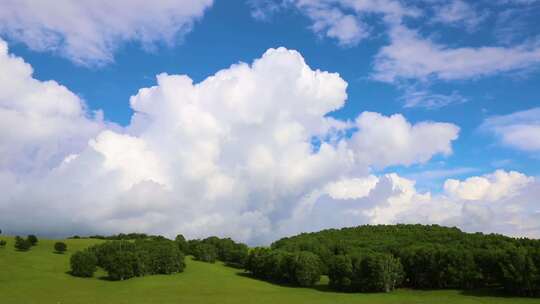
{"points": [[83, 263], [22, 244], [3, 243], [60, 247], [32, 239]]}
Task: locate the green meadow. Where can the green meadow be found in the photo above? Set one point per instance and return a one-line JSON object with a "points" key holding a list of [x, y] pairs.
{"points": [[41, 276]]}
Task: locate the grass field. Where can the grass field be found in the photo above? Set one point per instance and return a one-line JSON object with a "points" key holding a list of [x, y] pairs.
{"points": [[39, 276]]}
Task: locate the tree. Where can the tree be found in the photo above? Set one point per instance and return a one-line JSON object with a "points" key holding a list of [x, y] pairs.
{"points": [[60, 247], [166, 258], [83, 263], [123, 265], [182, 243], [520, 274], [340, 272], [205, 252], [380, 272], [22, 244], [307, 268], [3, 243], [32, 239], [256, 260]]}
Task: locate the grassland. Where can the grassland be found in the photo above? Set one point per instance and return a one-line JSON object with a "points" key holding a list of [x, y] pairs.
{"points": [[40, 276]]}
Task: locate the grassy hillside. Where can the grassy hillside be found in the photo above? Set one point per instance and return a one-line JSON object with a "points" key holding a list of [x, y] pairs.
{"points": [[39, 276]]}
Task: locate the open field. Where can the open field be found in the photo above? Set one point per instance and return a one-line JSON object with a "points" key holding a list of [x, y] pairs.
{"points": [[39, 276]]}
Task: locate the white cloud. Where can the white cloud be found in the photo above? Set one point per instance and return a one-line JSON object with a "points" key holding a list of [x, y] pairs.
{"points": [[89, 31], [351, 188], [426, 99], [331, 19], [491, 187], [39, 121], [519, 130], [231, 155], [457, 13], [410, 56], [512, 207], [384, 141]]}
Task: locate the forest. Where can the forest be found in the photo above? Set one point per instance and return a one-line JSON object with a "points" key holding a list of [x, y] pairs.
{"points": [[377, 258]]}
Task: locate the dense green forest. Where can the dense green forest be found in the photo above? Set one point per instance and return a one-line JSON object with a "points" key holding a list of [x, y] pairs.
{"points": [[360, 259], [383, 257]]}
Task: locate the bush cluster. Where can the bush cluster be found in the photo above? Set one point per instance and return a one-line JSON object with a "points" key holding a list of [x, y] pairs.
{"points": [[382, 257], [214, 248], [126, 259], [22, 244], [60, 247], [300, 268], [83, 263]]}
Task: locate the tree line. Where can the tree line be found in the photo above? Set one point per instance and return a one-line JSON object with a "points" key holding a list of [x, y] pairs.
{"points": [[384, 257]]}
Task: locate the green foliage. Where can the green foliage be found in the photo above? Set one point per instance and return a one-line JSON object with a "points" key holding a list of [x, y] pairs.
{"points": [[213, 248], [60, 247], [205, 252], [83, 263], [380, 272], [521, 272], [122, 265], [125, 259], [182, 243], [340, 272], [32, 239], [3, 243], [161, 257], [22, 244], [307, 268], [300, 268], [432, 257]]}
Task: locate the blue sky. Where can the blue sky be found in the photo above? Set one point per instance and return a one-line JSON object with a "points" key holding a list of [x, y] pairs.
{"points": [[474, 64]]}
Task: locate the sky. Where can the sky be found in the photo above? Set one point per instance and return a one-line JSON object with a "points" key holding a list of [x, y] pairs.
{"points": [[260, 119]]}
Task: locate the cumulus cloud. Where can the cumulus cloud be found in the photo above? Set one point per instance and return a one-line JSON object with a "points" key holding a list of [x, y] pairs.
{"points": [[39, 121], [491, 187], [519, 130], [233, 155], [506, 202], [89, 31], [384, 141]]}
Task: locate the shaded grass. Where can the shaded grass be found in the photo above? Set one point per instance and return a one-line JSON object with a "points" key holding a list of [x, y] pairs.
{"points": [[41, 276]]}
